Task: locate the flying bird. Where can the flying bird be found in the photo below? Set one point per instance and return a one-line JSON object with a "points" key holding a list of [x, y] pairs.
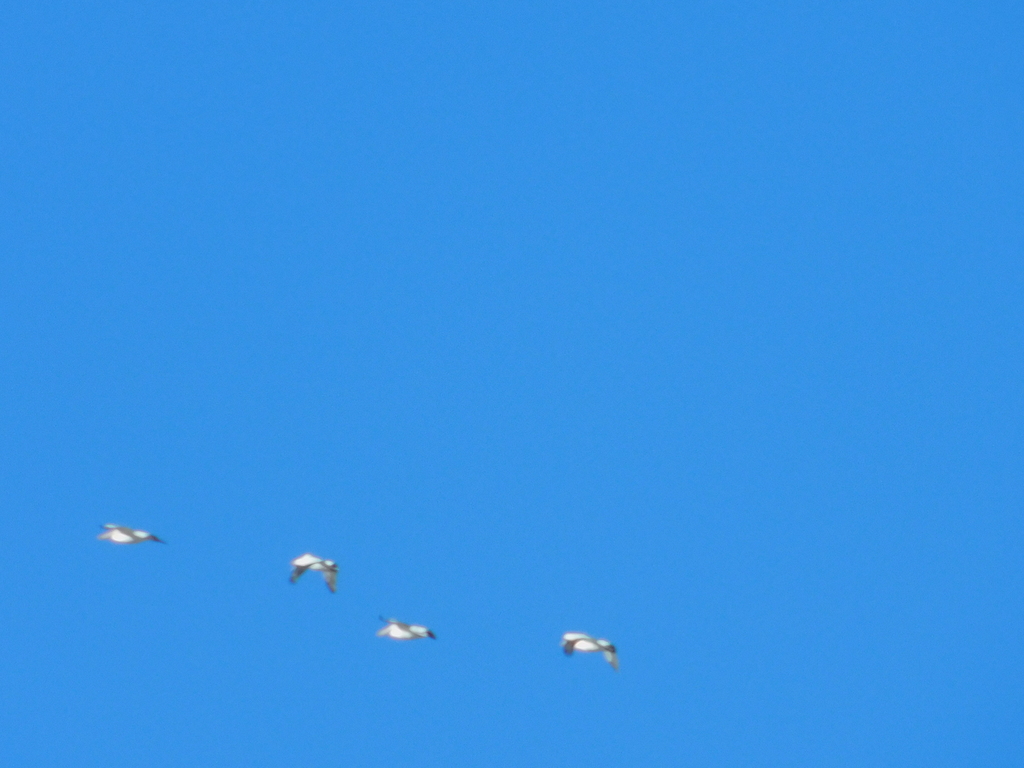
{"points": [[120, 534], [584, 643], [398, 630], [308, 562]]}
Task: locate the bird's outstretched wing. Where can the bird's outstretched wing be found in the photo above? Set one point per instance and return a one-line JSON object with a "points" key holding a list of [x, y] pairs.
{"points": [[612, 658], [331, 577], [569, 646], [299, 570]]}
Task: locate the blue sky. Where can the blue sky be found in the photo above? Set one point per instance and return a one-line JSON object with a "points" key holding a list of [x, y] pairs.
{"points": [[696, 326]]}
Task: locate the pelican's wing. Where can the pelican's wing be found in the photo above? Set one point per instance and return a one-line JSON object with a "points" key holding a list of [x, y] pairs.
{"points": [[568, 646], [613, 659], [384, 631], [299, 570], [106, 534], [331, 577]]}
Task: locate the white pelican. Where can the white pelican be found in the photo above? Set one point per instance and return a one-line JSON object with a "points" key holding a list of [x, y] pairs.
{"points": [[398, 630], [120, 534], [584, 643], [308, 562]]}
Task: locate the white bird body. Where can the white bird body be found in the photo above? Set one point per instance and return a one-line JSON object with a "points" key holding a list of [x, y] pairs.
{"points": [[398, 630], [584, 643], [120, 534], [310, 562]]}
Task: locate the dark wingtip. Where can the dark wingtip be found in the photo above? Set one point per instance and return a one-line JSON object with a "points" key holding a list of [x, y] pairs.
{"points": [[431, 635], [158, 541]]}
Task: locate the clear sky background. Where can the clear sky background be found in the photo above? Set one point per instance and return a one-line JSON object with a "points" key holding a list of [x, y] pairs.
{"points": [[695, 325]]}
